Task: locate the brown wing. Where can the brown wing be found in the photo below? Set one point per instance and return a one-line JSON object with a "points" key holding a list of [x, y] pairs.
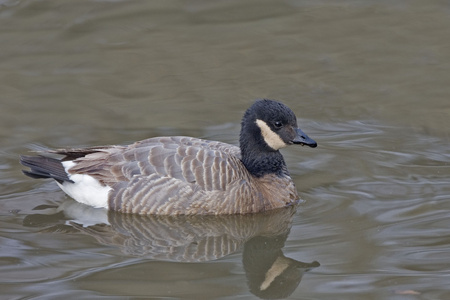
{"points": [[209, 165]]}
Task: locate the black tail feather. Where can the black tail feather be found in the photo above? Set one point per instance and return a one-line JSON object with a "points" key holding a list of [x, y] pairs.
{"points": [[44, 167]]}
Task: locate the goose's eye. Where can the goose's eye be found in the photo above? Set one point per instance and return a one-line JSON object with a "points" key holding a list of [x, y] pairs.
{"points": [[278, 124]]}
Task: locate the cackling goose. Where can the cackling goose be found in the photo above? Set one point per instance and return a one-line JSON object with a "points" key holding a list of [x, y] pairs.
{"points": [[184, 175]]}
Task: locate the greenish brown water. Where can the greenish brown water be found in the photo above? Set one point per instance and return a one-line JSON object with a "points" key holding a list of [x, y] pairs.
{"points": [[368, 80]]}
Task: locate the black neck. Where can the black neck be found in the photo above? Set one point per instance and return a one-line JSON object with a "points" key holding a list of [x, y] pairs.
{"points": [[262, 163], [257, 156]]}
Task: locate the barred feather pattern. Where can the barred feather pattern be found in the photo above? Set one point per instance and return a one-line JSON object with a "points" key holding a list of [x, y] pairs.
{"points": [[187, 238], [180, 175]]}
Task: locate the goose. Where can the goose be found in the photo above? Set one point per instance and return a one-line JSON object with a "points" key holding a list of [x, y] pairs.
{"points": [[184, 175]]}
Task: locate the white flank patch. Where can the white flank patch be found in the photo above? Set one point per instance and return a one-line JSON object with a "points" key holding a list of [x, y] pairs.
{"points": [[271, 138], [85, 189], [83, 214]]}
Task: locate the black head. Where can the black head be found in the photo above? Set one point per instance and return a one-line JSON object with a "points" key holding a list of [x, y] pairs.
{"points": [[275, 125], [268, 126]]}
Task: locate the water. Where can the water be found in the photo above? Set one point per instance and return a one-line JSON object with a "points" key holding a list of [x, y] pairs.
{"points": [[367, 79]]}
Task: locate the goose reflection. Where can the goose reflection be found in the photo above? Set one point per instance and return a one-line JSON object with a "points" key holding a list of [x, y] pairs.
{"points": [[262, 236]]}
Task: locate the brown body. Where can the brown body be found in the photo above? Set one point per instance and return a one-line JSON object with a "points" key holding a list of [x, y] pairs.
{"points": [[181, 175]]}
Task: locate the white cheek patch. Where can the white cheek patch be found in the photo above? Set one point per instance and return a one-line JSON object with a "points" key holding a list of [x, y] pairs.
{"points": [[85, 188], [275, 270], [271, 138]]}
